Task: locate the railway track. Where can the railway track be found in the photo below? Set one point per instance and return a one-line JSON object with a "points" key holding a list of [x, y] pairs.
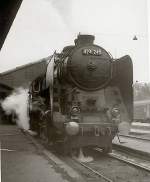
{"points": [[126, 160], [138, 142], [130, 159], [137, 158], [108, 168], [98, 173], [116, 164], [135, 137]]}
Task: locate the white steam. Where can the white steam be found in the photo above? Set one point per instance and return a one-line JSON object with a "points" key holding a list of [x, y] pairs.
{"points": [[82, 158], [17, 103]]}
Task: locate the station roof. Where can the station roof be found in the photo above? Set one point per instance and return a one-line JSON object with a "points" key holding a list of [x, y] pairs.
{"points": [[22, 76], [24, 66], [8, 11]]}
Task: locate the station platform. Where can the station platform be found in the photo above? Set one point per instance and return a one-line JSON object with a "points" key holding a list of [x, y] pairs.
{"points": [[22, 161], [140, 128], [136, 145]]}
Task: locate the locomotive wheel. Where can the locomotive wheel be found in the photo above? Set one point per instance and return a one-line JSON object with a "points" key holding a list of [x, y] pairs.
{"points": [[62, 147], [34, 122], [43, 131], [46, 131], [65, 151]]}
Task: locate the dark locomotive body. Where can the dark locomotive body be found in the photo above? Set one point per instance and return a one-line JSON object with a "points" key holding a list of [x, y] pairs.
{"points": [[82, 97]]}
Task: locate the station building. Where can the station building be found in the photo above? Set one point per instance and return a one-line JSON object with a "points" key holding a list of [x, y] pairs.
{"points": [[142, 111]]}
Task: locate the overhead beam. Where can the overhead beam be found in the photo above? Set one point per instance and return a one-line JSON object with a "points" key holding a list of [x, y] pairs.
{"points": [[8, 11]]}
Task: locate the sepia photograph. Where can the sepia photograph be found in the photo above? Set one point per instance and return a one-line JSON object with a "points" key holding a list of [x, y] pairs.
{"points": [[75, 91]]}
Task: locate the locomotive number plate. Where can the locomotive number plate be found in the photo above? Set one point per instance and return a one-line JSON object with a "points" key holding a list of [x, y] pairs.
{"points": [[93, 52]]}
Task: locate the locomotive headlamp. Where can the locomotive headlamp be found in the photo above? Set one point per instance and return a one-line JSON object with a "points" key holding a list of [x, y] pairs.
{"points": [[72, 128], [115, 112], [75, 110]]}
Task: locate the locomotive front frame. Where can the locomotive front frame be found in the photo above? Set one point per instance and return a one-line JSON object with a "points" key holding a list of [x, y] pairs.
{"points": [[66, 121]]}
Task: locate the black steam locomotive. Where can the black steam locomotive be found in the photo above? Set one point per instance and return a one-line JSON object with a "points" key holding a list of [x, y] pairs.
{"points": [[82, 97]]}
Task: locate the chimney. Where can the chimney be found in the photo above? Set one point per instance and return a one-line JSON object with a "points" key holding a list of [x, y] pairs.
{"points": [[84, 39]]}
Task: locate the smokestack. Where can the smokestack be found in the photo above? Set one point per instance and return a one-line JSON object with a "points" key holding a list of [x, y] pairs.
{"points": [[84, 39]]}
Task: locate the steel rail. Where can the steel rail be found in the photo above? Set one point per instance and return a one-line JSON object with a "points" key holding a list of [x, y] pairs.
{"points": [[129, 162], [113, 155], [134, 137], [94, 171], [9, 134]]}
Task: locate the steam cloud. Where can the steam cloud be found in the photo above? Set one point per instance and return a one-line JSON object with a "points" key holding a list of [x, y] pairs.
{"points": [[17, 103]]}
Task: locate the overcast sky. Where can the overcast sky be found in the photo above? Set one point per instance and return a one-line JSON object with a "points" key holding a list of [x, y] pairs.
{"points": [[43, 26]]}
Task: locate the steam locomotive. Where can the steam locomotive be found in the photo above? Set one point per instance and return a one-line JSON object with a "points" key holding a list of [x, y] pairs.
{"points": [[83, 97]]}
